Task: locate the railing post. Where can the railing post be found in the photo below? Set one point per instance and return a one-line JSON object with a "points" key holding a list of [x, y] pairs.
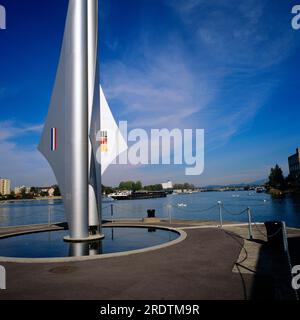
{"points": [[169, 213], [49, 216], [285, 239], [220, 214], [112, 212], [250, 223]]}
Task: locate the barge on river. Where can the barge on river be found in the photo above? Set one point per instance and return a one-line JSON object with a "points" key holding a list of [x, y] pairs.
{"points": [[138, 195]]}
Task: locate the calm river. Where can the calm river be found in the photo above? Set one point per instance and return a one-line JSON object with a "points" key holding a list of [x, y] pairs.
{"points": [[197, 206]]}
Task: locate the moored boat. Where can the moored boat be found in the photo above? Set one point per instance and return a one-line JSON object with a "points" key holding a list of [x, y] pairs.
{"points": [[128, 195]]}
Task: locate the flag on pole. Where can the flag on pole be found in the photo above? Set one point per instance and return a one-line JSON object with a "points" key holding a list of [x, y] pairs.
{"points": [[112, 142], [53, 139], [104, 141]]}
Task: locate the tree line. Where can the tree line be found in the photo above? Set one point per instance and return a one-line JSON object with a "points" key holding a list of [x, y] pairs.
{"points": [[131, 186], [277, 181], [32, 194], [138, 186]]}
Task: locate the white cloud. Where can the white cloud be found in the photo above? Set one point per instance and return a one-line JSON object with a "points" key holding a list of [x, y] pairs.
{"points": [[238, 32], [21, 163], [217, 76], [160, 92], [9, 130], [213, 74]]}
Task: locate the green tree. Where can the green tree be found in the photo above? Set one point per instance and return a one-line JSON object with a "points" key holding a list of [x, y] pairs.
{"points": [[291, 181], [107, 190], [34, 190], [126, 185], [23, 193], [130, 185], [10, 196], [154, 187], [137, 186], [184, 186], [276, 178]]}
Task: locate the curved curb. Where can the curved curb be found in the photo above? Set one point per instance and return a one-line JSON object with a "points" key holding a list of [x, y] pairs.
{"points": [[182, 237], [24, 232]]}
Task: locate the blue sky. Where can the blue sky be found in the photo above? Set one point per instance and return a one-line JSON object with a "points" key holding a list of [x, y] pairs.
{"points": [[229, 67]]}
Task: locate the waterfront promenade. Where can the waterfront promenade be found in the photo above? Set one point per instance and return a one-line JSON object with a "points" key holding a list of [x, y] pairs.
{"points": [[211, 263]]}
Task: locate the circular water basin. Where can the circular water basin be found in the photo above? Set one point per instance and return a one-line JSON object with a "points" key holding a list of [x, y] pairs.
{"points": [[50, 244]]}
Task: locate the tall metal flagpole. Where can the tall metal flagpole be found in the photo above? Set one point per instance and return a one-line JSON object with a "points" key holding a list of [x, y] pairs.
{"points": [[69, 140], [78, 133]]}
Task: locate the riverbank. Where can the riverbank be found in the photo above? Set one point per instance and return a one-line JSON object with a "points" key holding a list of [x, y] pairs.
{"points": [[295, 192], [30, 200]]}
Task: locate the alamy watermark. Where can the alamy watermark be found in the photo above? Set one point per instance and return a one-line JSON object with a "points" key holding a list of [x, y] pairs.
{"points": [[153, 147], [296, 278], [2, 278], [296, 18], [2, 17]]}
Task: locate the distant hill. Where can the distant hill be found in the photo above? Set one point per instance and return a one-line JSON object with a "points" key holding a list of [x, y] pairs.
{"points": [[258, 182], [253, 183]]}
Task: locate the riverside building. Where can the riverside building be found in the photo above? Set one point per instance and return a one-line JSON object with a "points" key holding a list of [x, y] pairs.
{"points": [[294, 165], [4, 186]]}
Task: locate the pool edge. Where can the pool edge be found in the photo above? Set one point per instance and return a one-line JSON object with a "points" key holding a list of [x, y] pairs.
{"points": [[182, 237]]}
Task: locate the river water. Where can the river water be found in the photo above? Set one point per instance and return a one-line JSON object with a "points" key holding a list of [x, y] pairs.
{"points": [[197, 206]]}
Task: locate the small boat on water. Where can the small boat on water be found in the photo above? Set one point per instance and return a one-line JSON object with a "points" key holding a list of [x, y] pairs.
{"points": [[122, 195], [135, 195], [260, 189]]}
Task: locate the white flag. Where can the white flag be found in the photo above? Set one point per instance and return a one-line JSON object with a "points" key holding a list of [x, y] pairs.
{"points": [[112, 143]]}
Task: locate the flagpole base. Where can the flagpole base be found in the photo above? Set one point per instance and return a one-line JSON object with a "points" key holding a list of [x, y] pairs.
{"points": [[90, 238]]}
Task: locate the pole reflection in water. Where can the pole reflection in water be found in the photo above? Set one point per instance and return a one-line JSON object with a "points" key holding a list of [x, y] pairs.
{"points": [[80, 249], [96, 248]]}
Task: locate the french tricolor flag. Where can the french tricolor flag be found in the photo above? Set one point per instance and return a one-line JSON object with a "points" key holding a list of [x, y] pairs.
{"points": [[53, 139]]}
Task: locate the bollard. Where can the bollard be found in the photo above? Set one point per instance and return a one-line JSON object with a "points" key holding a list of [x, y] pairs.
{"points": [[151, 213], [220, 214], [250, 223]]}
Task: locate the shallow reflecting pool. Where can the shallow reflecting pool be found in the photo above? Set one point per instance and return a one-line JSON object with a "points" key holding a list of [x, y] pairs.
{"points": [[51, 244]]}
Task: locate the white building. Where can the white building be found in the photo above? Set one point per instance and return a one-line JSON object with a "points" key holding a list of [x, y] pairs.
{"points": [[18, 190], [47, 190], [4, 187], [167, 185], [51, 192]]}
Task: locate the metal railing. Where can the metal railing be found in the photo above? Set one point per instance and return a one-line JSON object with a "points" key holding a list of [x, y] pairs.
{"points": [[219, 206], [122, 211]]}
